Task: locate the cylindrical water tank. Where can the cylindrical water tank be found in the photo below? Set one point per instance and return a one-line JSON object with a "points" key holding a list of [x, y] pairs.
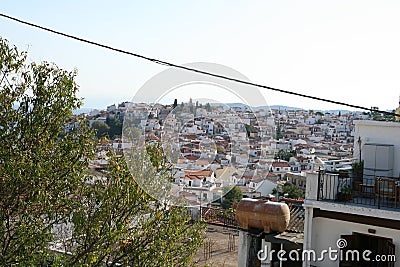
{"points": [[260, 214]]}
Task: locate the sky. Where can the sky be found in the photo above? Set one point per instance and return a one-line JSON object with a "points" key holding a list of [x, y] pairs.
{"points": [[343, 50]]}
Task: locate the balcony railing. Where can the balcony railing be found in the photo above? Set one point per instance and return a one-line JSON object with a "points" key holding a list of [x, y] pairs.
{"points": [[377, 191]]}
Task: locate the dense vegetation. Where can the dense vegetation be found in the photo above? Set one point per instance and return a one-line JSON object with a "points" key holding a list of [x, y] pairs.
{"points": [[53, 208]]}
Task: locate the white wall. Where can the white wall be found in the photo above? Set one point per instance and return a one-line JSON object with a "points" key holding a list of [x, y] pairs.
{"points": [[265, 187], [325, 233], [379, 132]]}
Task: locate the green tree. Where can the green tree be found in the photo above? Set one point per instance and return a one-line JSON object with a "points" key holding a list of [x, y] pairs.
{"points": [[279, 134], [208, 107], [390, 117], [284, 155], [291, 190], [41, 162], [116, 221], [50, 199], [101, 129], [357, 170], [232, 197], [376, 115], [115, 127], [159, 160], [191, 105]]}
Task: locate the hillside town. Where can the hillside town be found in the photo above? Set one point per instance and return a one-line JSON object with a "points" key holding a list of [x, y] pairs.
{"points": [[337, 166], [138, 133], [216, 146]]}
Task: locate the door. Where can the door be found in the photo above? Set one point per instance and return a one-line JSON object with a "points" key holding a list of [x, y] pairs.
{"points": [[382, 251]]}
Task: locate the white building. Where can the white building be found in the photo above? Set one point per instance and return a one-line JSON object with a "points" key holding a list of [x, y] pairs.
{"points": [[280, 168], [369, 218], [264, 187]]}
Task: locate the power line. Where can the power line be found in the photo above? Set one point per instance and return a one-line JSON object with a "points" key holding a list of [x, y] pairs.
{"points": [[169, 64]]}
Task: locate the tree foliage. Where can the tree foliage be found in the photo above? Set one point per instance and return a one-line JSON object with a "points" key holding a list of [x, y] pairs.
{"points": [[111, 128], [101, 129], [284, 155], [250, 129], [279, 134], [49, 210], [208, 107], [117, 222], [232, 197], [291, 190], [41, 162], [115, 127]]}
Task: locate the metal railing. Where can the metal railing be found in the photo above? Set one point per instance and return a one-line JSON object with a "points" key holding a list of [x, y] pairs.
{"points": [[376, 191], [218, 216]]}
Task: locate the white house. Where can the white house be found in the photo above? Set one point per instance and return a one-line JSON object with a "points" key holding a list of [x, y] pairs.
{"points": [[197, 178], [227, 176], [241, 159], [263, 186], [366, 224], [280, 168]]}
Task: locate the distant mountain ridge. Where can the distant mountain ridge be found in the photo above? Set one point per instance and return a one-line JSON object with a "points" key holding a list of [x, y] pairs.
{"points": [[279, 107], [282, 107]]}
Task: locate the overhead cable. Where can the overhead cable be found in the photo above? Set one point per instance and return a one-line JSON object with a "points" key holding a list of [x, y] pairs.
{"points": [[173, 65]]}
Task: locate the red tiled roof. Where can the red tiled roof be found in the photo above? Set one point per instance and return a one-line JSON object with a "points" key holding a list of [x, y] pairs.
{"points": [[191, 157], [193, 177], [199, 172], [271, 174], [280, 164], [195, 174]]}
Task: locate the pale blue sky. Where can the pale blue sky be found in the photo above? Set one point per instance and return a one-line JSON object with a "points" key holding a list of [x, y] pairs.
{"points": [[343, 50]]}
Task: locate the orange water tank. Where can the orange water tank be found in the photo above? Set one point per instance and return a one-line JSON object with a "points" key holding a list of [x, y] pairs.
{"points": [[260, 214]]}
